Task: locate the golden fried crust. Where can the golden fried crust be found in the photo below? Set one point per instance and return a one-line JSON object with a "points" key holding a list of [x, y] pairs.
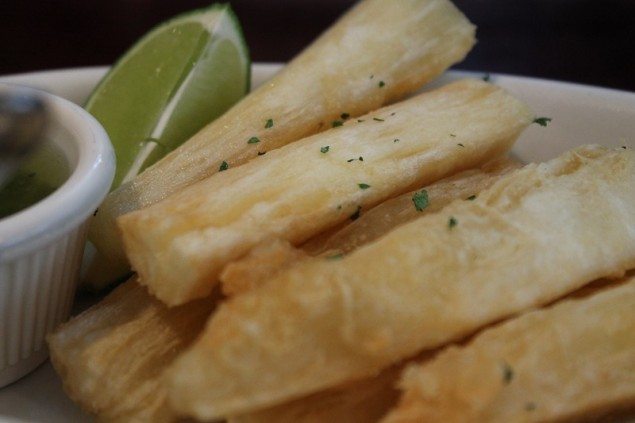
{"points": [[272, 256], [572, 361], [528, 240], [363, 401], [111, 357], [399, 210], [180, 246]]}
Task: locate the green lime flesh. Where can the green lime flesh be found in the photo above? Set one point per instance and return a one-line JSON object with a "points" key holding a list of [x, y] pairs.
{"points": [[174, 81]]}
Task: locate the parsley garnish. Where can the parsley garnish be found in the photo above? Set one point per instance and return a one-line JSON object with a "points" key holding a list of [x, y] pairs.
{"points": [[381, 84], [372, 76], [360, 120], [96, 210], [253, 140], [542, 121], [350, 160], [508, 373], [345, 116], [336, 256], [223, 166], [395, 140], [261, 153], [460, 145], [363, 186], [471, 197], [337, 123], [324, 149], [486, 77], [378, 119], [357, 213], [393, 113], [453, 135], [361, 159], [452, 222], [420, 200], [269, 123]]}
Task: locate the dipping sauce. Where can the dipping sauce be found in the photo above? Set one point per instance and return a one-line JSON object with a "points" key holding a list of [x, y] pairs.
{"points": [[45, 171]]}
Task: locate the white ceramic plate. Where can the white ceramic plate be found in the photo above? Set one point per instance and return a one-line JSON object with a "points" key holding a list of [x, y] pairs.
{"points": [[581, 115]]}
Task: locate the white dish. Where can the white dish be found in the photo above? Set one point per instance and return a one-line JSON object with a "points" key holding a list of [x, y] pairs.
{"points": [[581, 115]]}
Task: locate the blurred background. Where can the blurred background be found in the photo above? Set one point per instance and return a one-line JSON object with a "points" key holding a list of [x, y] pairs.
{"points": [[587, 41]]}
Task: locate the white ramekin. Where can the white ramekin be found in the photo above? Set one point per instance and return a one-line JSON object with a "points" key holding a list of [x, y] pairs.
{"points": [[41, 247]]}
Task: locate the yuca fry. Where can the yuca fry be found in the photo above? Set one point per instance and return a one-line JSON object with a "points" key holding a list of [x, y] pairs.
{"points": [[111, 357], [366, 400], [574, 360], [180, 246], [262, 263], [324, 322], [394, 212], [362, 62], [272, 256]]}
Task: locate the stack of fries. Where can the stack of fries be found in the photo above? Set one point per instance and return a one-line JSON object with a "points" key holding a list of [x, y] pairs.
{"points": [[396, 267]]}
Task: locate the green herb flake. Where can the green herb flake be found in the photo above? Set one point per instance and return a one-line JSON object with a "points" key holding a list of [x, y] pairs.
{"points": [[350, 160], [378, 119], [471, 197], [253, 140], [269, 123], [395, 140], [453, 135], [452, 222], [486, 77], [324, 149], [420, 200], [360, 120], [542, 121], [335, 257], [337, 123], [357, 213], [393, 113], [96, 211], [363, 186], [381, 84], [508, 373], [262, 153], [223, 166], [372, 76], [360, 158], [460, 145], [345, 116]]}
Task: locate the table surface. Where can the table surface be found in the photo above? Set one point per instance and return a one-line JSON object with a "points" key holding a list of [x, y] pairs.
{"points": [[576, 40]]}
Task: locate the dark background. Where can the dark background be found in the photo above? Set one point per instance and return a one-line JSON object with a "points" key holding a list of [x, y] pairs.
{"points": [[588, 41]]}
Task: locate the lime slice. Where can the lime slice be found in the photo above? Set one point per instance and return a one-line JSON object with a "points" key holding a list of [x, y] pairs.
{"points": [[180, 76]]}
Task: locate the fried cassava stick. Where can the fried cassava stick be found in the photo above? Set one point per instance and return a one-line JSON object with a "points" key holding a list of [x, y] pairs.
{"points": [[274, 255], [377, 53], [180, 245], [111, 357], [424, 284], [572, 361]]}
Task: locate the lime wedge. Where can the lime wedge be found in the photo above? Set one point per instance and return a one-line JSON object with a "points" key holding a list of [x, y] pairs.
{"points": [[177, 78]]}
